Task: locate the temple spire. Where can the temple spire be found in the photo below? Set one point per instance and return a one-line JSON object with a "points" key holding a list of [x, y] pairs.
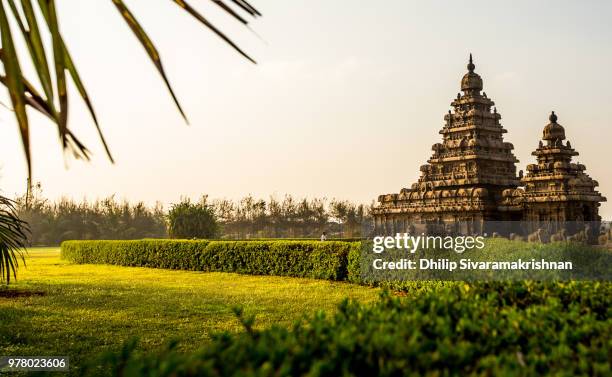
{"points": [[471, 65], [471, 83]]}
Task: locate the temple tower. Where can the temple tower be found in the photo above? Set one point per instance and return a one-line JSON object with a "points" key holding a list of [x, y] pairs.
{"points": [[473, 153], [464, 179], [556, 189]]}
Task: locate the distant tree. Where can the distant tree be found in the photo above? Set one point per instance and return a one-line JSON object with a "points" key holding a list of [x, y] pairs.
{"points": [[320, 215], [192, 220], [275, 215], [250, 217], [350, 215], [54, 222]]}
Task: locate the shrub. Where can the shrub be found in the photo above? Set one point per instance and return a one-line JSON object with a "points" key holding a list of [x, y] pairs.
{"points": [[484, 329], [192, 220], [313, 259]]}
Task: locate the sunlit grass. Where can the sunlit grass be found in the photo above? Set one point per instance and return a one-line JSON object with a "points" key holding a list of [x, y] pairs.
{"points": [[86, 309]]}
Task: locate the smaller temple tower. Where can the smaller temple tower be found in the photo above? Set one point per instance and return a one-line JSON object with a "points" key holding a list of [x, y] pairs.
{"points": [[556, 190]]}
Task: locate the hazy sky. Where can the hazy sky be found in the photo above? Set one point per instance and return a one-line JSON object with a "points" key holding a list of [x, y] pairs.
{"points": [[346, 100]]}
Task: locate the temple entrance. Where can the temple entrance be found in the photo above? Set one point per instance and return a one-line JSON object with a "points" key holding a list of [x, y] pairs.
{"points": [[586, 213]]}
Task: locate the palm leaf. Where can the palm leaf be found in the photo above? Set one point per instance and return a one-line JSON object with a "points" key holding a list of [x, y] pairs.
{"points": [[40, 63], [229, 10], [13, 239], [14, 83], [35, 45], [148, 46], [245, 6], [76, 78], [52, 78], [189, 9], [70, 66], [48, 9]]}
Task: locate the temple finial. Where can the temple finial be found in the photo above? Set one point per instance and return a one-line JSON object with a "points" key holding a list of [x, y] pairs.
{"points": [[553, 117], [471, 65]]}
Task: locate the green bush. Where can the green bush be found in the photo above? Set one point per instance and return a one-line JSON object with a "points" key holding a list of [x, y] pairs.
{"points": [[192, 220], [312, 259], [484, 329]]}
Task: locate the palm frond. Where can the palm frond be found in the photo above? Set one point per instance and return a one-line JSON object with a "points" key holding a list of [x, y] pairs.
{"points": [[14, 82], [198, 16], [147, 43], [13, 239], [52, 99]]}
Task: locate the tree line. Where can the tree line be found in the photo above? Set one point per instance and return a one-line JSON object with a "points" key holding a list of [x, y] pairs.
{"points": [[52, 222], [290, 217]]}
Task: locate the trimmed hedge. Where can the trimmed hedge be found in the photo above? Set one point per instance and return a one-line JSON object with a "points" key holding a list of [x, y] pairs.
{"points": [[485, 329], [332, 260], [311, 259]]}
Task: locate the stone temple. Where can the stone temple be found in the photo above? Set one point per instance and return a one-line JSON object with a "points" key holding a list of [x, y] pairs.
{"points": [[471, 177]]}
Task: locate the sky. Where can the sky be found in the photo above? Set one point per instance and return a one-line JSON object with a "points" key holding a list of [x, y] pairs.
{"points": [[345, 101]]}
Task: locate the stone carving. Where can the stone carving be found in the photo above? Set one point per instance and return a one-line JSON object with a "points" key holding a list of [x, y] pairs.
{"points": [[536, 236], [560, 236], [582, 235], [516, 237], [605, 237]]}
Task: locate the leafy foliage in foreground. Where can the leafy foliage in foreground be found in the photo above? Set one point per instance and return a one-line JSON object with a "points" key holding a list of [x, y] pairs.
{"points": [[13, 237], [526, 329], [312, 259], [52, 71]]}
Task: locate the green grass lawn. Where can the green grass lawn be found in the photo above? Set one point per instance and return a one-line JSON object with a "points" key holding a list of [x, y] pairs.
{"points": [[82, 310]]}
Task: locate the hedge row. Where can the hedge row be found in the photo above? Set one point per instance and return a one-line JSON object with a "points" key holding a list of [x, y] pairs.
{"points": [[311, 259], [332, 260], [484, 329]]}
